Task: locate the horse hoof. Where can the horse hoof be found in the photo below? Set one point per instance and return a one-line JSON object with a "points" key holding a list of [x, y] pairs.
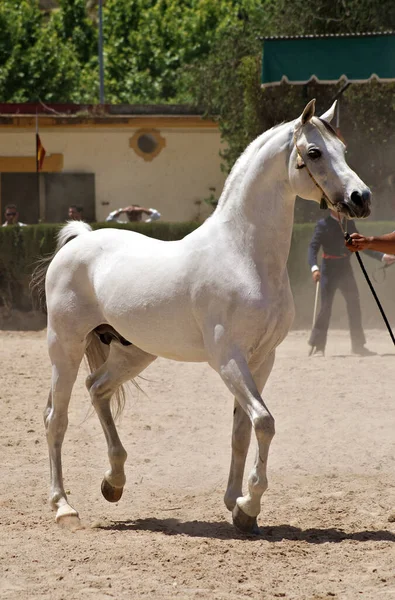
{"points": [[65, 512], [243, 522], [110, 493]]}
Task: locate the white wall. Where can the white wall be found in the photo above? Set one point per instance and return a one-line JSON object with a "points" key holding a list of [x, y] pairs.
{"points": [[172, 182]]}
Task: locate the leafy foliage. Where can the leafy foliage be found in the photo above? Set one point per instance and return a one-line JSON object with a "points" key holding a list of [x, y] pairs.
{"points": [[203, 52], [150, 42], [35, 62]]}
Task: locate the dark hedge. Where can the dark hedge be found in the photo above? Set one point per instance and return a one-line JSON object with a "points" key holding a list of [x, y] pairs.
{"points": [[20, 248]]}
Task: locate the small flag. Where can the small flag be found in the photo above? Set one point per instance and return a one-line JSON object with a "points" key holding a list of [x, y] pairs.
{"points": [[40, 153]]}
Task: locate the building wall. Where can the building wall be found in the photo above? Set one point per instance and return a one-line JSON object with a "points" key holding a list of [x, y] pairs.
{"points": [[187, 169]]}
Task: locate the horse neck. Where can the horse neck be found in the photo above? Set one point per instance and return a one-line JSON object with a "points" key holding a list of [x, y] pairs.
{"points": [[258, 203]]}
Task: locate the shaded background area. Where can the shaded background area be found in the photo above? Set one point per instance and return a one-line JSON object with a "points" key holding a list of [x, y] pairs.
{"points": [[46, 197], [303, 287]]}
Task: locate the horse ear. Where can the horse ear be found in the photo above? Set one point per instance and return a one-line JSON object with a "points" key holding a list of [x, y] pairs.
{"points": [[308, 112], [329, 114]]}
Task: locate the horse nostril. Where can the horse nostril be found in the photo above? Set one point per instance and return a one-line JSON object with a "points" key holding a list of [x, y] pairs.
{"points": [[357, 198], [361, 199], [366, 196]]}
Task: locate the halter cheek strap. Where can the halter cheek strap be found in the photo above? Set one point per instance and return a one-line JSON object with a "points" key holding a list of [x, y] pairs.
{"points": [[325, 202], [300, 164]]}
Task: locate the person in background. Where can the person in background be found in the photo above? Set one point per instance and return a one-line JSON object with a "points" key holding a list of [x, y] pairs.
{"points": [[381, 243], [12, 215], [337, 273], [75, 212], [134, 213]]}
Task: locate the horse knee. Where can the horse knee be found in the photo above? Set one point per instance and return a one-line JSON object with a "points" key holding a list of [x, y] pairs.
{"points": [[89, 381], [99, 390], [264, 426]]}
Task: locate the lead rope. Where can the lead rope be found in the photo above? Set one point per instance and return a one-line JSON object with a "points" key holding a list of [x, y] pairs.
{"points": [[347, 237]]}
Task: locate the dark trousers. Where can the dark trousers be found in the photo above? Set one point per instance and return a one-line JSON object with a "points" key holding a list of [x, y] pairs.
{"points": [[338, 274]]}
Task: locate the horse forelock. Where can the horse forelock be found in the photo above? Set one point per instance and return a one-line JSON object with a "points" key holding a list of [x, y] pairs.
{"points": [[324, 127], [328, 127]]}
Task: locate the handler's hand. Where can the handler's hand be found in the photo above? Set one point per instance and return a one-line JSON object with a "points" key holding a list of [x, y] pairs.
{"points": [[357, 242], [316, 276], [388, 259]]}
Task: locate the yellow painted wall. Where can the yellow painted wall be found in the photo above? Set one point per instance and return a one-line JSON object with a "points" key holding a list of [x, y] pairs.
{"points": [[183, 172]]}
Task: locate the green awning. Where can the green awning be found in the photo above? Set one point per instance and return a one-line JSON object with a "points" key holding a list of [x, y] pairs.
{"points": [[328, 59]]}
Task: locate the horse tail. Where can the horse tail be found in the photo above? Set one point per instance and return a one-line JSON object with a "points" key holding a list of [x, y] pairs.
{"points": [[96, 354], [37, 283]]}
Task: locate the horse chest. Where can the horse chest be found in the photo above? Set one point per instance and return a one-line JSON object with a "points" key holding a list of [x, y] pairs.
{"points": [[271, 315]]}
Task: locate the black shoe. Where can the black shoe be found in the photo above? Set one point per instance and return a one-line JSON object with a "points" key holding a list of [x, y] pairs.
{"points": [[317, 351], [362, 351]]}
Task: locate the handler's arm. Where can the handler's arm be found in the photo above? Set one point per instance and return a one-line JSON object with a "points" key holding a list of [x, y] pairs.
{"points": [[381, 243]]}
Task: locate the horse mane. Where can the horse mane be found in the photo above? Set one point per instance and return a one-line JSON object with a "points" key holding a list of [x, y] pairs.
{"points": [[240, 167]]}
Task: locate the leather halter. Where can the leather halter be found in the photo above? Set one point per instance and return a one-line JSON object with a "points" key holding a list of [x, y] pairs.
{"points": [[325, 202], [300, 164]]}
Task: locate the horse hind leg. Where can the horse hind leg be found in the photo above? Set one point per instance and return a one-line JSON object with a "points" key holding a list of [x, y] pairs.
{"points": [[66, 356], [123, 363]]}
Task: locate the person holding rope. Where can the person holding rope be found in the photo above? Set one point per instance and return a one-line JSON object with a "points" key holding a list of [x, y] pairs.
{"points": [[381, 243], [336, 273]]}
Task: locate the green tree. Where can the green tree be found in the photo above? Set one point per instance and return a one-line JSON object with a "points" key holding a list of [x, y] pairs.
{"points": [[332, 16], [149, 43], [74, 26], [35, 62], [227, 83]]}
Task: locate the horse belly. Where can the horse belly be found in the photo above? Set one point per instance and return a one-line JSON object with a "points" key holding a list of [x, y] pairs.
{"points": [[162, 333]]}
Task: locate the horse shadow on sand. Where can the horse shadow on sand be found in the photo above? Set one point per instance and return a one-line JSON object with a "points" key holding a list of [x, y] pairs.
{"points": [[224, 530]]}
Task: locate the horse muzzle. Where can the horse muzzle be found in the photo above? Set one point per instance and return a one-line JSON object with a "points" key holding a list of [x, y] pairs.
{"points": [[357, 205]]}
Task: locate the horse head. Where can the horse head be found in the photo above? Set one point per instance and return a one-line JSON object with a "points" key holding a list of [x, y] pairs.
{"points": [[318, 169]]}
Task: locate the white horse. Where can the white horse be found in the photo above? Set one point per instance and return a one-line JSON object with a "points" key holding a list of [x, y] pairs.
{"points": [[220, 295]]}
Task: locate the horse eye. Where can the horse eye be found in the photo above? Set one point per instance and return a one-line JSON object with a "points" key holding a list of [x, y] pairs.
{"points": [[314, 153]]}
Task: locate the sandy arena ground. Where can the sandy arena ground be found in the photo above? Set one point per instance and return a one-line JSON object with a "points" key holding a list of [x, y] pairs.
{"points": [[326, 525]]}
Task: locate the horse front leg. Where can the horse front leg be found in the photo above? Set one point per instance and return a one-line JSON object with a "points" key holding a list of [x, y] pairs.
{"points": [[237, 375], [241, 436]]}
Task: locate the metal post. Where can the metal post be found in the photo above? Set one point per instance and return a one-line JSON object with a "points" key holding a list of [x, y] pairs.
{"points": [[101, 62], [37, 167]]}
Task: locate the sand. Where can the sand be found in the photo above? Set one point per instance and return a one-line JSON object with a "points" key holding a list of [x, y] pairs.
{"points": [[327, 521]]}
